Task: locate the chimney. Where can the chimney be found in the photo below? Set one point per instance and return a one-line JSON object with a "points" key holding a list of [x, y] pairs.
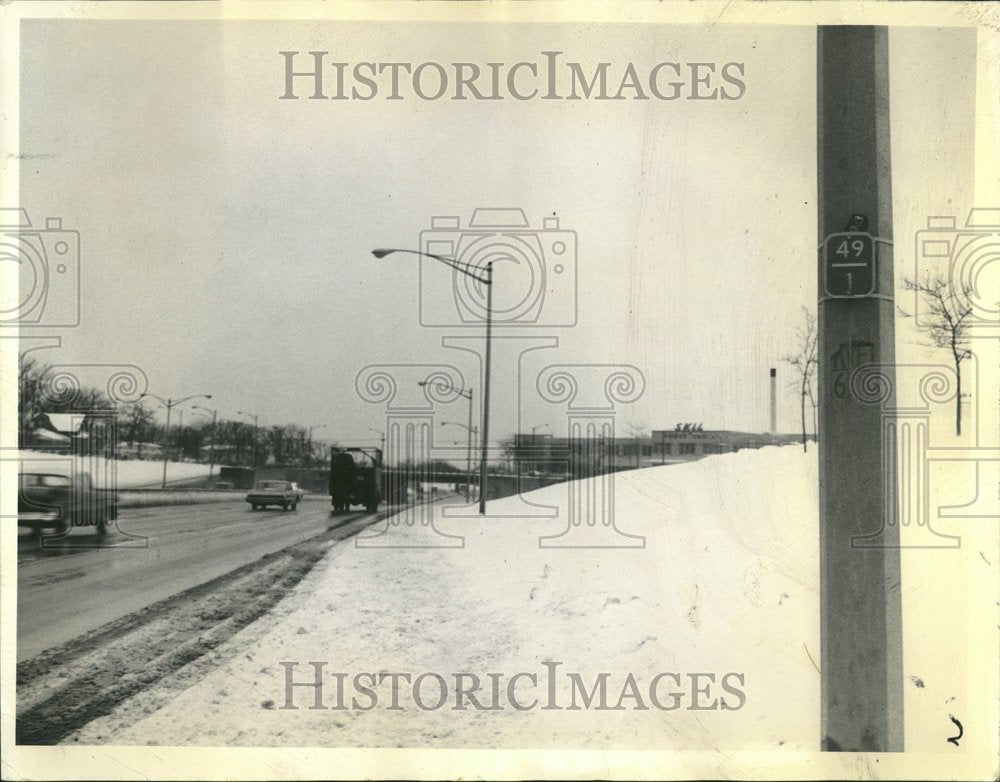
{"points": [[774, 400]]}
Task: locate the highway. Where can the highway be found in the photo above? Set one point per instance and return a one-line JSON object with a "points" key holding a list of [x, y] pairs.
{"points": [[84, 581]]}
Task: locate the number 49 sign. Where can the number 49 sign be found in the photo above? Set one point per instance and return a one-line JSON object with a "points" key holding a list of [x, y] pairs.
{"points": [[850, 264]]}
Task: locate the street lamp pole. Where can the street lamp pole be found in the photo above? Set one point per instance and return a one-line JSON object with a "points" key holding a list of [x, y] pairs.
{"points": [[533, 443], [381, 439], [170, 404], [485, 440], [254, 417], [467, 270], [314, 426], [470, 429], [211, 450], [468, 452]]}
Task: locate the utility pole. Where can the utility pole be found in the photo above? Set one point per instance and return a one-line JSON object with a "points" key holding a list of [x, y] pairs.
{"points": [[254, 417], [774, 400], [485, 444], [170, 404], [862, 678], [211, 451]]}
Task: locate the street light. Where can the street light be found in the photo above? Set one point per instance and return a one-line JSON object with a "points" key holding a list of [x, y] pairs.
{"points": [[381, 439], [211, 452], [468, 461], [467, 270], [254, 417], [533, 430], [170, 404], [314, 426], [446, 386]]}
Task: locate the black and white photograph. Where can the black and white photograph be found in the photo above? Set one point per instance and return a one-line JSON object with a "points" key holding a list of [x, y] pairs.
{"points": [[493, 390]]}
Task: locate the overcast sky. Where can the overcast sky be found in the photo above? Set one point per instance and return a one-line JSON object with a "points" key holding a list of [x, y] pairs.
{"points": [[227, 234]]}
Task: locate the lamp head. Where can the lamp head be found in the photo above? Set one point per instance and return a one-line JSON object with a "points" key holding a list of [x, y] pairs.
{"points": [[381, 253]]}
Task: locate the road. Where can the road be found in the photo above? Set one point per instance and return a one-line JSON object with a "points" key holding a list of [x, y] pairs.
{"points": [[74, 587]]}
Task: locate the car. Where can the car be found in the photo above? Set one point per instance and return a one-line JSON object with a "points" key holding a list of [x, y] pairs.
{"points": [[284, 494], [59, 496]]}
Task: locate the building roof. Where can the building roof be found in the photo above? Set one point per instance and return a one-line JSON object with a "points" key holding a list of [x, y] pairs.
{"points": [[66, 423]]}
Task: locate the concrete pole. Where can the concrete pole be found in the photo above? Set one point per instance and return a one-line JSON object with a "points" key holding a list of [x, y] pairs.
{"points": [[774, 400], [861, 681]]}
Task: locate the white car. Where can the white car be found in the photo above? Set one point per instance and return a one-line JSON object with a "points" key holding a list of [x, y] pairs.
{"points": [[284, 494]]}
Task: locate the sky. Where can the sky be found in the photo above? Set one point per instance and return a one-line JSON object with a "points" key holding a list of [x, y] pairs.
{"points": [[226, 234]]}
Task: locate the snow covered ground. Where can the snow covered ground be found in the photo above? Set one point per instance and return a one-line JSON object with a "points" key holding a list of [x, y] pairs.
{"points": [[708, 637], [126, 474]]}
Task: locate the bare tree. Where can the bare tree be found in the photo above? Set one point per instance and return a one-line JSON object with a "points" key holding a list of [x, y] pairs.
{"points": [[944, 323], [29, 381], [804, 361]]}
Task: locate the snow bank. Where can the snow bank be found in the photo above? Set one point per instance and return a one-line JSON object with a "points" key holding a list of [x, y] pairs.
{"points": [[126, 474], [718, 614], [721, 605]]}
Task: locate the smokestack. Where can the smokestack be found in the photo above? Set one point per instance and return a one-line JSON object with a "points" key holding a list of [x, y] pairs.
{"points": [[774, 400]]}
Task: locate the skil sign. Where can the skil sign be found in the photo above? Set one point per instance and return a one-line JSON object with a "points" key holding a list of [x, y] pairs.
{"points": [[314, 75]]}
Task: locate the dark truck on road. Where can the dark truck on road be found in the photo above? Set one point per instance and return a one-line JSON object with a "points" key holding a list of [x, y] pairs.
{"points": [[355, 478]]}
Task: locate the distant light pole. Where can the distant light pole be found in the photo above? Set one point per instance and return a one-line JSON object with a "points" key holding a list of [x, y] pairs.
{"points": [[533, 430], [467, 394], [468, 454], [170, 404], [381, 439], [211, 451], [465, 269], [254, 417], [314, 426]]}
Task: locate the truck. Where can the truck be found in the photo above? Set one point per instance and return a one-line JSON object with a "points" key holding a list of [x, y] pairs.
{"points": [[355, 478]]}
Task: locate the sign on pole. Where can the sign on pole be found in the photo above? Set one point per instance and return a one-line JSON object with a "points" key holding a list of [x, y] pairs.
{"points": [[850, 264]]}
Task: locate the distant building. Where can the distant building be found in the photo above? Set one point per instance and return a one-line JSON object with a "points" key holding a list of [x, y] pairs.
{"points": [[91, 433], [140, 451], [679, 445], [547, 454]]}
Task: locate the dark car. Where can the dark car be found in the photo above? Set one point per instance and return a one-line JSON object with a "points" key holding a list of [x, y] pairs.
{"points": [[284, 494], [60, 497]]}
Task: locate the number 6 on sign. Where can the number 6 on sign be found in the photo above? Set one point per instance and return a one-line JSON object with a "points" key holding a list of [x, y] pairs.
{"points": [[849, 259]]}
